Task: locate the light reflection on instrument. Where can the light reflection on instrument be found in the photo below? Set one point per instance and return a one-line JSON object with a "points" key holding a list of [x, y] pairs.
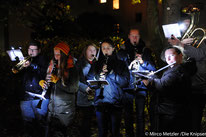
{"points": [[199, 34], [19, 66], [150, 74]]}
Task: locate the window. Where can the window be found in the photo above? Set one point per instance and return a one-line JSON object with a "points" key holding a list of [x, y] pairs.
{"points": [[116, 26], [103, 1], [136, 2], [115, 4]]}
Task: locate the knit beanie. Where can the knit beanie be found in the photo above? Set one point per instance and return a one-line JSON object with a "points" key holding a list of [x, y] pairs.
{"points": [[63, 47]]}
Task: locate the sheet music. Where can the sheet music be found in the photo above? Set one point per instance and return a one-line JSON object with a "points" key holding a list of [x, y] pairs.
{"points": [[15, 53], [97, 82], [171, 29]]}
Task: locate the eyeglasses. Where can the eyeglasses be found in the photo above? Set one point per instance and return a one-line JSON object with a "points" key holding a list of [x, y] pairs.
{"points": [[32, 50]]}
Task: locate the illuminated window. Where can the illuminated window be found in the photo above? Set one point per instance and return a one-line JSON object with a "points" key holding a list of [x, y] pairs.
{"points": [[115, 4], [117, 28], [136, 1], [102, 1]]}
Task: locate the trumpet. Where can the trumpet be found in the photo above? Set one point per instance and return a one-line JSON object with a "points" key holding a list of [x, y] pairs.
{"points": [[192, 30], [19, 66]]}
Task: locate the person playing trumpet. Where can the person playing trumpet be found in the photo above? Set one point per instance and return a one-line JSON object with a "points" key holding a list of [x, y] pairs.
{"points": [[33, 71], [135, 44], [139, 89]]}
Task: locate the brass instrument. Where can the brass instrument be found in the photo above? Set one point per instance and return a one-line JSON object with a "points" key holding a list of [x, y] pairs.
{"points": [[19, 66], [192, 30]]}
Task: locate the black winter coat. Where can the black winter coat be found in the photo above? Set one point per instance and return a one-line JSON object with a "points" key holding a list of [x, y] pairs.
{"points": [[130, 50], [174, 90], [33, 74], [199, 79], [117, 77]]}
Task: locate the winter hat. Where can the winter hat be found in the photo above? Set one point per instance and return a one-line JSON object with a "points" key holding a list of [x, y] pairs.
{"points": [[63, 47]]}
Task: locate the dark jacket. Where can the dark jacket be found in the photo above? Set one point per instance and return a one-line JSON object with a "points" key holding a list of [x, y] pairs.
{"points": [[130, 50], [62, 99], [128, 55], [33, 74], [117, 77], [82, 97], [174, 90], [199, 79]]}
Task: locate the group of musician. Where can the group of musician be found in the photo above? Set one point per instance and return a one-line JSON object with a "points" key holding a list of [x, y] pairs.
{"points": [[177, 97]]}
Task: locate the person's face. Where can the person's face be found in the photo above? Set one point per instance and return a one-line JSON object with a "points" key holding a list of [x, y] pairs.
{"points": [[171, 56], [91, 52], [134, 36], [107, 49], [33, 51], [57, 54]]}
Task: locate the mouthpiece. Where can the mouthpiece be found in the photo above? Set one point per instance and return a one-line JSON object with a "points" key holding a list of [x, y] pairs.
{"points": [[93, 56]]}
